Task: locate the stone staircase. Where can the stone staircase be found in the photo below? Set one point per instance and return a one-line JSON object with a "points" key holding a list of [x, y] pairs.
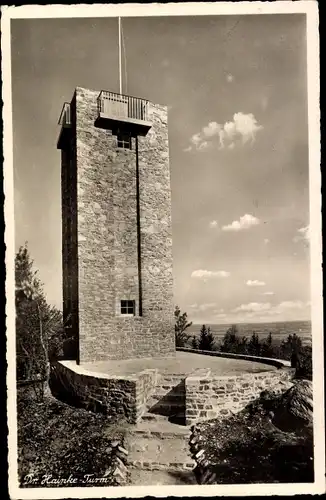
{"points": [[168, 399], [158, 446], [155, 444]]}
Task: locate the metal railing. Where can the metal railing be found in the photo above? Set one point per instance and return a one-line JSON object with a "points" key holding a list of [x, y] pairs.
{"points": [[65, 116], [122, 106]]}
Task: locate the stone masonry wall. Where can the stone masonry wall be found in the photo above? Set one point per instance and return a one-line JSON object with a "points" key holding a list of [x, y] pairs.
{"points": [[107, 239], [168, 395], [279, 363], [127, 397], [209, 397], [69, 231], [113, 396], [145, 386]]}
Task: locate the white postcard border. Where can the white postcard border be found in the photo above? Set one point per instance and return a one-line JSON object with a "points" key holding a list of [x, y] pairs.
{"points": [[310, 8]]}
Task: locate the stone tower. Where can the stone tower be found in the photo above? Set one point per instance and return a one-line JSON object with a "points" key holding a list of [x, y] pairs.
{"points": [[116, 227]]}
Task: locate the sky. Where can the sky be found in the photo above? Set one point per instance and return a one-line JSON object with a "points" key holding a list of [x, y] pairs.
{"points": [[236, 91]]}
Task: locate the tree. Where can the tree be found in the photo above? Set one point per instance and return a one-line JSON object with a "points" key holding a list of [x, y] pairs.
{"points": [[231, 340], [195, 342], [243, 346], [267, 348], [38, 325], [254, 346], [206, 339], [304, 370], [180, 327], [291, 347]]}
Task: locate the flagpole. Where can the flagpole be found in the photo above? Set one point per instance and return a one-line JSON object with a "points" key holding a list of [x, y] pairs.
{"points": [[120, 75]]}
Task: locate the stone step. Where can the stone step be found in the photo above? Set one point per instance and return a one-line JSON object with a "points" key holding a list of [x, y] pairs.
{"points": [[159, 453], [177, 416], [157, 417], [162, 428], [155, 466], [157, 477], [165, 404], [165, 409], [159, 445], [173, 396], [173, 399]]}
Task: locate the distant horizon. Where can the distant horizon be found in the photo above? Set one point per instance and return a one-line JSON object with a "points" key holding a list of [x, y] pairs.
{"points": [[251, 322]]}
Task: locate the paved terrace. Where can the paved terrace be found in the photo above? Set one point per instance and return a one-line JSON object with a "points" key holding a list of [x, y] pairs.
{"points": [[183, 363]]}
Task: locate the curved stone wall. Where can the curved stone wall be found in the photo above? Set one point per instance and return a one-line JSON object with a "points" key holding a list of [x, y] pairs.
{"points": [[199, 395], [278, 363], [121, 397], [209, 396]]}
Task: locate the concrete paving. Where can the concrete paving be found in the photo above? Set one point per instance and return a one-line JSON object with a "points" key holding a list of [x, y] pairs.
{"points": [[183, 363]]}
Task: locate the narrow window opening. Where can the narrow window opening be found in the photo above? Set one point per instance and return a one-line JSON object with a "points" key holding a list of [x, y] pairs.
{"points": [[124, 141], [128, 307]]}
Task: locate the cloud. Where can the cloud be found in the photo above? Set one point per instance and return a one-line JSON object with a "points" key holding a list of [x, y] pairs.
{"points": [[229, 78], [266, 308], [196, 139], [220, 316], [288, 310], [206, 307], [266, 241], [303, 234], [202, 273], [245, 222], [292, 304], [304, 231], [203, 146], [212, 129], [242, 129], [253, 307], [268, 293], [255, 283], [213, 224]]}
